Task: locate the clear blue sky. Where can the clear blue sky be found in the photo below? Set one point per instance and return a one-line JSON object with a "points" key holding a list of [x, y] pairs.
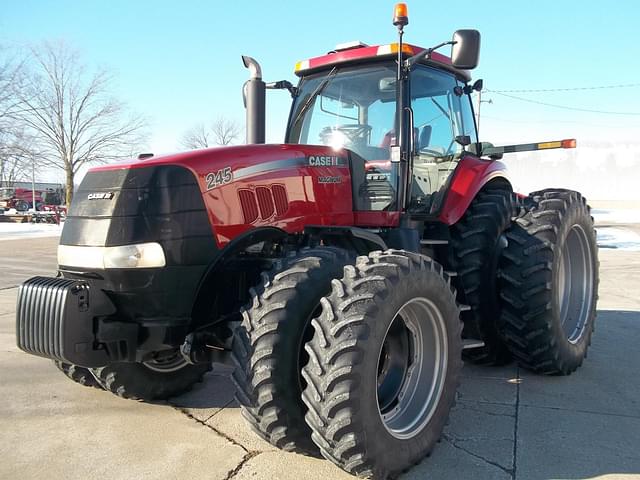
{"points": [[178, 63]]}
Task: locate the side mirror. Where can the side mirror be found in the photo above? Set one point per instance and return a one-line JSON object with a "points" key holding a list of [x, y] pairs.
{"points": [[463, 140], [485, 149], [481, 149], [465, 52]]}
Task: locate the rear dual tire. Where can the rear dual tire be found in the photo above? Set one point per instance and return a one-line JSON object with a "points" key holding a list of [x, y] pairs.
{"points": [[476, 242], [549, 282]]}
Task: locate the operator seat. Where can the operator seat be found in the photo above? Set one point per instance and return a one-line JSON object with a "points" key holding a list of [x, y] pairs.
{"points": [[425, 137]]}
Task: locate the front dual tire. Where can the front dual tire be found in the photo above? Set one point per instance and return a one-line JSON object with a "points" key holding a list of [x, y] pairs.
{"points": [[380, 366], [384, 364]]}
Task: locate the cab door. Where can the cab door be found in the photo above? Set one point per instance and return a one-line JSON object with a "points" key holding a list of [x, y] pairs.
{"points": [[442, 115]]}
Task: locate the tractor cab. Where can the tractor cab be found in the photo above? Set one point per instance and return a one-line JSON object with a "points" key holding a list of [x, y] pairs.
{"points": [[349, 99]]}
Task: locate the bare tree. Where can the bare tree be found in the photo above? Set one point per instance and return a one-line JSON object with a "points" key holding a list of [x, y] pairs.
{"points": [[11, 81], [16, 156], [71, 114], [14, 142], [197, 137], [223, 131]]}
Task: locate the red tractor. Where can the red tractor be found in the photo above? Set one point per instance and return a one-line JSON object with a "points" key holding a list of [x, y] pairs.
{"points": [[345, 273], [20, 199]]}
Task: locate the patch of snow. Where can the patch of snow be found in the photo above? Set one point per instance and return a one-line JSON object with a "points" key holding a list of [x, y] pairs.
{"points": [[618, 238], [11, 231], [615, 216]]}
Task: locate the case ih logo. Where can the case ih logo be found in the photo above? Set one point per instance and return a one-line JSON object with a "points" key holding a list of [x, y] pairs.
{"points": [[326, 161], [100, 196]]}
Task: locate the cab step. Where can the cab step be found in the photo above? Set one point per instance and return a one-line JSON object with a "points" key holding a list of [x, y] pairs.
{"points": [[470, 343], [431, 241]]}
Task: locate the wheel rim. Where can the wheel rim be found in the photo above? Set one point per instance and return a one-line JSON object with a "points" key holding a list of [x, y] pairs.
{"points": [[168, 363], [412, 367], [575, 284]]}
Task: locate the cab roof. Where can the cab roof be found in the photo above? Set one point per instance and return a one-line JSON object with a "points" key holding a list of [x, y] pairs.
{"points": [[362, 53]]}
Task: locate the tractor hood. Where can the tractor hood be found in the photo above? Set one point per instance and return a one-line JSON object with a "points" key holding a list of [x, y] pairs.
{"points": [[239, 187], [243, 160]]}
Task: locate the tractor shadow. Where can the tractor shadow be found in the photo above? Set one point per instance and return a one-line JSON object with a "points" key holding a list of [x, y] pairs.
{"points": [[216, 391], [510, 423]]}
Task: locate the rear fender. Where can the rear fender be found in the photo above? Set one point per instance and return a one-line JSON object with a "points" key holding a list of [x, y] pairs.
{"points": [[471, 175]]}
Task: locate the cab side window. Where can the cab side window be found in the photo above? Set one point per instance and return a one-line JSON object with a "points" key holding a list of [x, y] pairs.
{"points": [[438, 120]]}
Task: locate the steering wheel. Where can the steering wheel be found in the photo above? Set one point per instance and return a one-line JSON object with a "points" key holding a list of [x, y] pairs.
{"points": [[355, 132]]}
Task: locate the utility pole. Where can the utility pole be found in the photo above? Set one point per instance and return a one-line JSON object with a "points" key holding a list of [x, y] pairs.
{"points": [[480, 101], [33, 183], [478, 119]]}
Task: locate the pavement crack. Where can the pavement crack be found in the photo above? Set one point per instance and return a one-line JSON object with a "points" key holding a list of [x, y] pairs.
{"points": [[243, 462], [211, 427], [455, 445], [589, 412], [219, 410], [514, 462], [467, 405]]}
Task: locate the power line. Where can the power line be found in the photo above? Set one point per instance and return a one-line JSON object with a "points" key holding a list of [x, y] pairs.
{"points": [[568, 89], [616, 126], [566, 107]]}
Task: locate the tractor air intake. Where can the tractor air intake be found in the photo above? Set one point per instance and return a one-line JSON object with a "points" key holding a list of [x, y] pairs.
{"points": [[254, 100]]}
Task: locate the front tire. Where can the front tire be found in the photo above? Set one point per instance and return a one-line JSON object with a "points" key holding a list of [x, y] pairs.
{"points": [[549, 277], [384, 364], [80, 375], [268, 348], [153, 380], [21, 206]]}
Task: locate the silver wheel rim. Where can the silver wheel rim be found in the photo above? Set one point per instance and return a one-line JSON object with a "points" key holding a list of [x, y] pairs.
{"points": [[166, 364], [575, 284], [412, 368]]}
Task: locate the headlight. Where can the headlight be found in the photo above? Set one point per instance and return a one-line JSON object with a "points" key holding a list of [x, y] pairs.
{"points": [[143, 255]]}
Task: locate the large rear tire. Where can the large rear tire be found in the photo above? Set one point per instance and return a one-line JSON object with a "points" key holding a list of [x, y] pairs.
{"points": [[549, 282], [268, 348], [476, 242], [153, 380], [384, 364], [80, 375]]}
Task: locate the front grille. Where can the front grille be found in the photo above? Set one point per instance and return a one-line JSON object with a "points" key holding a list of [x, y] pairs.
{"points": [[40, 314]]}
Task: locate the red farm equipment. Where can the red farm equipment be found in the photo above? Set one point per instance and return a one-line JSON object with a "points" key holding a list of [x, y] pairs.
{"points": [[346, 273]]}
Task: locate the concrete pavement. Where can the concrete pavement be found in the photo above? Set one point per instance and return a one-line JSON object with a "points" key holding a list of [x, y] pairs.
{"points": [[508, 423]]}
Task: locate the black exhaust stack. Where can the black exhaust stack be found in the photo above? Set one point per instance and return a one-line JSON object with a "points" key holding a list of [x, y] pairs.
{"points": [[254, 101]]}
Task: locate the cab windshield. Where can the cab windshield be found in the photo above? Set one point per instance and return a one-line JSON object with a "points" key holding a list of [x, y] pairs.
{"points": [[351, 108]]}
